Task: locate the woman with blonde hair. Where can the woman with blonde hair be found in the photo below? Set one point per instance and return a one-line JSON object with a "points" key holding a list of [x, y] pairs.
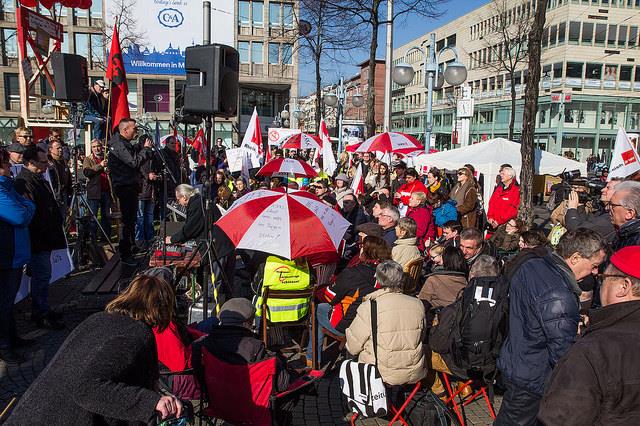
{"points": [[465, 195], [106, 370]]}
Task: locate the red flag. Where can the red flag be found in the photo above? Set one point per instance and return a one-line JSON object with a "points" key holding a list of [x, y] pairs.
{"points": [[198, 144], [119, 89], [357, 185]]}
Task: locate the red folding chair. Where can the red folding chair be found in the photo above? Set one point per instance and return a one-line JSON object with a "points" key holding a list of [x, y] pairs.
{"points": [[458, 406], [244, 394], [397, 412]]}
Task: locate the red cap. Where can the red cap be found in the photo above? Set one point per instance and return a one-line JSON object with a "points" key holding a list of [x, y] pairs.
{"points": [[627, 260]]}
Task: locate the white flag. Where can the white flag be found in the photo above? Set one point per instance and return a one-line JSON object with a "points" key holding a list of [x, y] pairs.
{"points": [[625, 160], [357, 185], [329, 164], [252, 140]]}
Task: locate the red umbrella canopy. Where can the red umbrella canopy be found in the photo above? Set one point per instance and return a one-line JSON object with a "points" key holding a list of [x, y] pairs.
{"points": [[289, 225], [302, 141], [391, 142], [352, 147], [287, 167]]}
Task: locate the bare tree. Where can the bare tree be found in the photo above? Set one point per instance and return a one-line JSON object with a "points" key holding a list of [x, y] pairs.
{"points": [[367, 16], [508, 45], [530, 109], [127, 24]]}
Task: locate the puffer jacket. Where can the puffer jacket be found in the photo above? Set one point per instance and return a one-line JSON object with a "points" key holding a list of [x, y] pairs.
{"points": [[544, 312], [15, 214], [401, 329], [504, 203], [598, 378], [628, 235], [405, 251], [445, 212]]}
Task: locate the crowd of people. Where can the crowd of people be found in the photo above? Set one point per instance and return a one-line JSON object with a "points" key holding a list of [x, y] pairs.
{"points": [[566, 337]]}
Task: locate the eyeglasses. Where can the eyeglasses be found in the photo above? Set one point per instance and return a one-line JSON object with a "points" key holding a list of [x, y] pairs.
{"points": [[26, 136], [611, 205]]}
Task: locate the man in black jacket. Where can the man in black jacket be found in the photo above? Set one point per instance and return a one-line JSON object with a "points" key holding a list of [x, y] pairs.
{"points": [[125, 161], [46, 232], [599, 221], [599, 378], [624, 209]]}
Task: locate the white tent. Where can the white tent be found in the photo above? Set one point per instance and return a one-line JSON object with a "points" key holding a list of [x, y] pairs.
{"points": [[487, 157]]}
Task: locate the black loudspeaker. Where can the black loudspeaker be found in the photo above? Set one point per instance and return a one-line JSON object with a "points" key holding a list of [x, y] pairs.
{"points": [[180, 116], [70, 77], [212, 80]]}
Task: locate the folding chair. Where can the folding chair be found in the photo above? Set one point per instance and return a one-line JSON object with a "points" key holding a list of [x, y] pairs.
{"points": [[244, 394], [413, 270], [397, 412], [458, 406], [302, 322]]}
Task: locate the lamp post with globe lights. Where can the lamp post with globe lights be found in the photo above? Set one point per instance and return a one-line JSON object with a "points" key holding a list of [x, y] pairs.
{"points": [[338, 99], [455, 74]]}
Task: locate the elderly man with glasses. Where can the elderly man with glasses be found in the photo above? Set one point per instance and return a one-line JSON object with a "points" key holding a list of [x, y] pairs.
{"points": [[624, 208], [599, 376]]}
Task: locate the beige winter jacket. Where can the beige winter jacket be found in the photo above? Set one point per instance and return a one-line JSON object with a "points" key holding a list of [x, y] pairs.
{"points": [[401, 328], [405, 250]]}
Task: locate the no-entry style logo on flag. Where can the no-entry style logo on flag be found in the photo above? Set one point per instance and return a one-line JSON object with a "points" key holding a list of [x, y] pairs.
{"points": [[628, 157]]}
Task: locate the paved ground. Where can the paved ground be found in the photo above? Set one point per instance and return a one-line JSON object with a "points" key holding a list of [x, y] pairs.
{"points": [[322, 408]]}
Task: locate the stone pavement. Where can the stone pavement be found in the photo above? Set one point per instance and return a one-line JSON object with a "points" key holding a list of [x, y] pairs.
{"points": [[321, 408]]}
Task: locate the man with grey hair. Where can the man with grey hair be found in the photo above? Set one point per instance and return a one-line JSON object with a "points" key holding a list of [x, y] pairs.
{"points": [[624, 209], [388, 219], [598, 378], [544, 312], [600, 221], [505, 200], [473, 244], [401, 327]]}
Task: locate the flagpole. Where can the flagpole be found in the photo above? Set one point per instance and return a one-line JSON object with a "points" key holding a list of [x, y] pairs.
{"points": [[108, 126]]}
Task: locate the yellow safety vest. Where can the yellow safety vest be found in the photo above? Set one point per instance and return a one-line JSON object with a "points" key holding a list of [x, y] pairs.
{"points": [[282, 274]]}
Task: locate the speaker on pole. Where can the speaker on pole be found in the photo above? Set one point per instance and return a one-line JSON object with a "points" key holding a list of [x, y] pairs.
{"points": [[70, 77], [212, 80]]}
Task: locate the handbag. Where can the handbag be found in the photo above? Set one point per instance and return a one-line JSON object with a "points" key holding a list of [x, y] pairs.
{"points": [[361, 383]]}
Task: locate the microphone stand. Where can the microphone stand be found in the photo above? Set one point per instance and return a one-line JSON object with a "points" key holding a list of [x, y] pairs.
{"points": [[166, 171]]}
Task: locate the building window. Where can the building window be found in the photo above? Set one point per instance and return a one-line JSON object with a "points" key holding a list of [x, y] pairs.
{"points": [[622, 35], [155, 95], [625, 72], [9, 44], [132, 97], [574, 32], [275, 19], [287, 13], [82, 44], [574, 69], [96, 9], [553, 33], [611, 40], [257, 14], [287, 54], [97, 49], [256, 52], [11, 91], [587, 32], [244, 10], [451, 40], [594, 71], [633, 37], [243, 50], [80, 13], [8, 6], [274, 51], [557, 70], [64, 46], [601, 34], [562, 32]]}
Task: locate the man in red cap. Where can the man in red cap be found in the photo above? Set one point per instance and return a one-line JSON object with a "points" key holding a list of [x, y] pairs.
{"points": [[599, 377]]}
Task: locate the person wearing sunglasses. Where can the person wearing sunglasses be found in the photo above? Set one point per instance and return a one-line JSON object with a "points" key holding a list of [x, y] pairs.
{"points": [[624, 208], [598, 378]]}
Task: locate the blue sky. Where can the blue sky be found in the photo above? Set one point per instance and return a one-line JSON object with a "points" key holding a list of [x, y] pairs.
{"points": [[404, 31]]}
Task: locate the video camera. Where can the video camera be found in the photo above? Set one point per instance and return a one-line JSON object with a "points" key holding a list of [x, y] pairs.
{"points": [[571, 179]]}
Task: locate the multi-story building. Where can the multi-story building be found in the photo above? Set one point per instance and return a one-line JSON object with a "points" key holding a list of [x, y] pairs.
{"points": [[268, 69], [590, 84]]}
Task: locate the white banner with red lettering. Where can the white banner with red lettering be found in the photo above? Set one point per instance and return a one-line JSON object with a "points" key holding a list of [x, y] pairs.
{"points": [[625, 160]]}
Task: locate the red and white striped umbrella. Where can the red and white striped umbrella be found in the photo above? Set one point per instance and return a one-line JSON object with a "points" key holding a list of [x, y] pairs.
{"points": [[289, 225], [287, 167], [302, 141], [391, 142]]}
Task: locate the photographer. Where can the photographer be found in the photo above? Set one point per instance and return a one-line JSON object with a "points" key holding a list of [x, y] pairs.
{"points": [[599, 221]]}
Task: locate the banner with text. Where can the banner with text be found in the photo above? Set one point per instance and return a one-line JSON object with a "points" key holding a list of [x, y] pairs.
{"points": [[158, 32]]}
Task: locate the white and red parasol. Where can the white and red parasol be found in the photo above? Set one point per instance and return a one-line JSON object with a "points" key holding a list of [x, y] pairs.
{"points": [[391, 142], [302, 141], [287, 167], [289, 225]]}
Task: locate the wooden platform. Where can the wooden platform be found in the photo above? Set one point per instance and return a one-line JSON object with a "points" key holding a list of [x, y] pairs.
{"points": [[111, 278]]}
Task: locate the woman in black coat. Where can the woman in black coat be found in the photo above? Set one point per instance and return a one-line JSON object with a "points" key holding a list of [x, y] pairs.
{"points": [[106, 370], [193, 228]]}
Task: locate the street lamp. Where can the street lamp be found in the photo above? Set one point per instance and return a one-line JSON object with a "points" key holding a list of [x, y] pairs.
{"points": [[455, 74], [338, 99]]}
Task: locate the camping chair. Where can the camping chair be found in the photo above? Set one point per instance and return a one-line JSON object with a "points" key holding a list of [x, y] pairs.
{"points": [[244, 394], [458, 406], [413, 270], [302, 322], [397, 412]]}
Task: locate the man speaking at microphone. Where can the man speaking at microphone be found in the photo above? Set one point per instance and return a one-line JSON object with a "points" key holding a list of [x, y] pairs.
{"points": [[125, 160]]}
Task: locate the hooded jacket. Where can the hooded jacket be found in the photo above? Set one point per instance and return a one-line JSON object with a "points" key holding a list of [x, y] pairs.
{"points": [[15, 214], [599, 377], [544, 312], [401, 330]]}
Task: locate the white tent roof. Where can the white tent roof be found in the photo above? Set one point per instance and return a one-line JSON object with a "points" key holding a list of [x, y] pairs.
{"points": [[487, 157]]}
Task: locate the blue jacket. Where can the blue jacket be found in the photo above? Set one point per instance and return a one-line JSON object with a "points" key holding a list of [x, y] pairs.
{"points": [[543, 321], [446, 212], [15, 215]]}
